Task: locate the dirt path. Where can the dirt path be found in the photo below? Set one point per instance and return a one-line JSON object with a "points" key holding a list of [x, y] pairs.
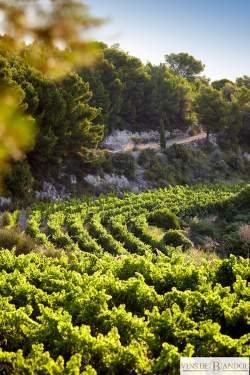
{"points": [[155, 146]]}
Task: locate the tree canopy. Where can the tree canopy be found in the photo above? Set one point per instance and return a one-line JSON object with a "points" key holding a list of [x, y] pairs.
{"points": [[184, 64], [210, 108]]}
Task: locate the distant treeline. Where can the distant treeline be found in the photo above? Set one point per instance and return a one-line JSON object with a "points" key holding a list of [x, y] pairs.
{"points": [[120, 92]]}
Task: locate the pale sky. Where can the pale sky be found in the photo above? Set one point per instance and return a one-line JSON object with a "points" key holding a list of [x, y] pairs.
{"points": [[214, 31]]}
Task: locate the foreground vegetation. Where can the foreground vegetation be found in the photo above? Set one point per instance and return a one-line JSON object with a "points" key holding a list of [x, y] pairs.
{"points": [[133, 315], [114, 294]]}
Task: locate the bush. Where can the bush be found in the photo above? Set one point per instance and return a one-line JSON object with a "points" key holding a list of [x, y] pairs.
{"points": [[123, 164], [176, 238], [12, 238], [225, 274], [147, 158], [156, 174], [180, 152], [20, 182], [203, 227], [242, 200], [235, 243], [6, 219], [164, 218]]}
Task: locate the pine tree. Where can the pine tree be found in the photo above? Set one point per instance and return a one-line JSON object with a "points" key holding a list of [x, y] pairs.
{"points": [[162, 135]]}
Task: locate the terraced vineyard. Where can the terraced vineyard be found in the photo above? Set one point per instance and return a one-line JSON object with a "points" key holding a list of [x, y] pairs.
{"points": [[117, 300], [118, 226]]}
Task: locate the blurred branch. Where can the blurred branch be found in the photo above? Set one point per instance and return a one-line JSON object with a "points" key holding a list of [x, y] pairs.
{"points": [[17, 130], [50, 35]]}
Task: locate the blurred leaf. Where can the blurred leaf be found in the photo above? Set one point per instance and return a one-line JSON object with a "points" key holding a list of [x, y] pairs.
{"points": [[17, 130], [56, 31]]}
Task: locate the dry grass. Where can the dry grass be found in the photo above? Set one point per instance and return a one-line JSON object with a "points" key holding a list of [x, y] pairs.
{"points": [[197, 256], [22, 244], [50, 252], [244, 232], [157, 233], [14, 238]]}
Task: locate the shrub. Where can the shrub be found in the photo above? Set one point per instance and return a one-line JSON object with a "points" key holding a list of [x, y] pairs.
{"points": [[164, 218], [235, 243], [124, 164], [156, 174], [147, 158], [20, 182], [225, 274], [242, 200], [203, 227], [12, 238], [6, 219], [176, 238], [181, 152]]}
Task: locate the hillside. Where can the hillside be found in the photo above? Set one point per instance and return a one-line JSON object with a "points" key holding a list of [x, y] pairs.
{"points": [[73, 118]]}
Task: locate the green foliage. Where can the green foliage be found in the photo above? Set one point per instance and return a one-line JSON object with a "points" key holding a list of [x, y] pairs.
{"points": [[176, 238], [225, 274], [171, 98], [134, 96], [181, 164], [119, 92], [9, 220], [6, 219], [210, 108], [16, 127], [123, 164], [179, 152], [20, 181], [164, 218], [135, 314], [150, 235], [147, 158], [119, 226], [243, 198], [17, 120], [233, 242], [243, 81], [81, 130], [66, 123], [162, 135], [203, 227], [116, 304], [220, 84], [184, 64], [43, 26]]}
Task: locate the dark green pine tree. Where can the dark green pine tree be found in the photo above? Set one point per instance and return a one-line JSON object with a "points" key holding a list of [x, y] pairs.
{"points": [[83, 130], [162, 135]]}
